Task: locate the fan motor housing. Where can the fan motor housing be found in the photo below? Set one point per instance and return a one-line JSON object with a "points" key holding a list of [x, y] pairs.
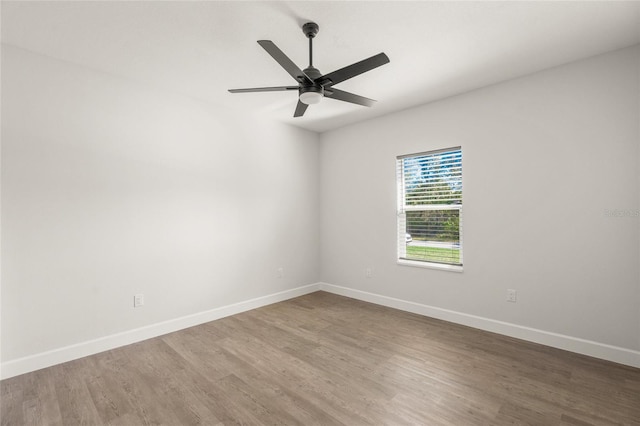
{"points": [[315, 88], [312, 73]]}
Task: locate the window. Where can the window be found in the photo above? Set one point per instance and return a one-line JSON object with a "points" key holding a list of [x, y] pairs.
{"points": [[430, 208]]}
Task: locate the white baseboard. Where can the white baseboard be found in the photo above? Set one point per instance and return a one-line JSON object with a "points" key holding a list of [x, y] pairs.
{"points": [[68, 353], [568, 343]]}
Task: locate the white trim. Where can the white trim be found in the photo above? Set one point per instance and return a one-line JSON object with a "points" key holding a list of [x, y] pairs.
{"points": [[573, 344], [68, 353], [430, 265]]}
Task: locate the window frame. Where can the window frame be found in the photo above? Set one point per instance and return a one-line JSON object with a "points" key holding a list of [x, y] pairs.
{"points": [[402, 208]]}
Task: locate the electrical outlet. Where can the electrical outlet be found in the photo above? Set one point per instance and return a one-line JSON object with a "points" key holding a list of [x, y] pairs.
{"points": [[367, 272], [138, 300], [512, 295], [280, 272]]}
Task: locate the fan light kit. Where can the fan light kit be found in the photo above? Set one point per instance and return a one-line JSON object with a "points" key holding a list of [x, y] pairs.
{"points": [[312, 84], [310, 98]]}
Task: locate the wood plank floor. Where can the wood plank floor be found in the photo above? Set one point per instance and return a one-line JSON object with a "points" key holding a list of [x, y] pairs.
{"points": [[323, 359]]}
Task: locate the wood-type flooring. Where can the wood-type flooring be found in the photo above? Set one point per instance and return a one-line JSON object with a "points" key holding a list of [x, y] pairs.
{"points": [[323, 359]]}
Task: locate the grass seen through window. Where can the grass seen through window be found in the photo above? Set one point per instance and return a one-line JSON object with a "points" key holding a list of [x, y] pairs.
{"points": [[433, 254]]}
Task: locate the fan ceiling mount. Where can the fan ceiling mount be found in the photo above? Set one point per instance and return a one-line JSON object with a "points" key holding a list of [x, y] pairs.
{"points": [[312, 84]]}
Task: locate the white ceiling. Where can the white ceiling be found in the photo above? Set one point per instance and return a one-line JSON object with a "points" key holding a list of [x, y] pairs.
{"points": [[437, 49]]}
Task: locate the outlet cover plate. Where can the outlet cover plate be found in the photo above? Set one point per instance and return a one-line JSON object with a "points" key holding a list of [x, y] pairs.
{"points": [[138, 300]]}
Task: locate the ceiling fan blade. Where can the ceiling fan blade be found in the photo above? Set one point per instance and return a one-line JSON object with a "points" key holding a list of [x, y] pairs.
{"points": [[341, 95], [300, 109], [284, 61], [353, 70], [264, 89]]}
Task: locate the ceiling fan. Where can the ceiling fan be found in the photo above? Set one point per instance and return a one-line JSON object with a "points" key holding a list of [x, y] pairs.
{"points": [[312, 84]]}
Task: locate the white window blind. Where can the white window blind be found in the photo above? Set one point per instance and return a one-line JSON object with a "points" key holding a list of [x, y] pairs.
{"points": [[430, 206]]}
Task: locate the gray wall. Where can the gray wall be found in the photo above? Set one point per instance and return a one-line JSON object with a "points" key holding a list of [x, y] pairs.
{"points": [[112, 188], [544, 156]]}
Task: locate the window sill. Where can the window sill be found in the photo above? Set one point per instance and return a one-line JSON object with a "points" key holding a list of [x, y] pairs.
{"points": [[430, 265]]}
